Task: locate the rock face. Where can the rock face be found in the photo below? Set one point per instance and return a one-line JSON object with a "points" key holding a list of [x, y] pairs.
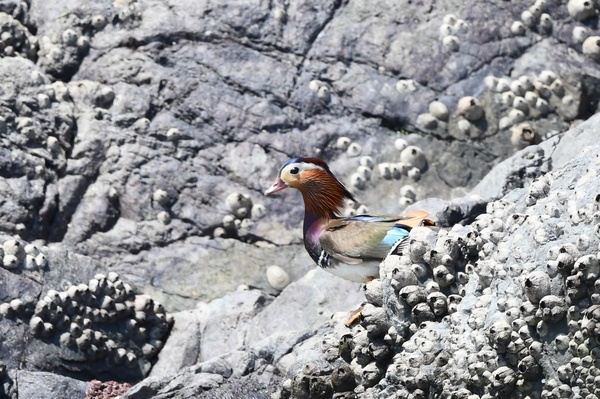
{"points": [[137, 138], [503, 307], [128, 124]]}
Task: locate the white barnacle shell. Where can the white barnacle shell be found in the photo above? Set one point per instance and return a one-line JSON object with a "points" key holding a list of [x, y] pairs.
{"points": [[524, 135], [239, 204], [143, 303], [500, 332], [164, 217], [531, 97], [324, 93], [16, 305], [315, 85], [450, 19], [36, 326], [516, 86], [173, 134], [517, 28], [408, 191], [258, 211], [30, 263], [507, 97], [451, 43], [446, 30], [443, 276], [546, 21], [405, 201], [98, 21], [10, 262], [516, 115], [414, 174], [581, 9], [464, 126], [373, 292], [413, 294], [528, 18], [547, 76], [470, 108], [583, 242], [75, 330], [537, 286], [561, 341], [119, 355], [367, 161], [557, 87], [49, 329], [69, 37], [385, 170], [357, 181], [362, 210], [591, 47], [542, 106], [149, 350], [503, 85], [491, 82], [460, 26], [354, 150], [414, 156], [552, 308], [342, 143], [365, 172], [580, 33], [277, 277], [526, 81], [427, 121], [280, 14], [535, 10], [521, 104], [439, 110], [406, 85], [161, 196], [32, 250], [14, 247]]}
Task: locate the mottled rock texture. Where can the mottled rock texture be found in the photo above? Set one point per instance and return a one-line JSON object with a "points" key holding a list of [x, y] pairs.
{"points": [[125, 125]]}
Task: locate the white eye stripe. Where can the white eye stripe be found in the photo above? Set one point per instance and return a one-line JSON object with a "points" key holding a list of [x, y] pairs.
{"points": [[303, 166]]}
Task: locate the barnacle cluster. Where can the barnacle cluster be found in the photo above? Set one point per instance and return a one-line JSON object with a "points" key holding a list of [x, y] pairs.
{"points": [[103, 320], [15, 255], [411, 163], [534, 17], [16, 39], [450, 29], [528, 98], [242, 214], [320, 89], [479, 311], [436, 117]]}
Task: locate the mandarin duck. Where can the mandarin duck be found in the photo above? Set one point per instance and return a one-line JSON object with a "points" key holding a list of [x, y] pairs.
{"points": [[348, 247]]}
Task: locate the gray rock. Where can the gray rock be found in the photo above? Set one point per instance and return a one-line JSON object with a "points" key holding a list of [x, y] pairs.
{"points": [[122, 100], [252, 319], [202, 100], [38, 384]]}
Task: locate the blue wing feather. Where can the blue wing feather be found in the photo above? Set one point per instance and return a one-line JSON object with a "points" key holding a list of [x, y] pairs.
{"points": [[393, 235]]}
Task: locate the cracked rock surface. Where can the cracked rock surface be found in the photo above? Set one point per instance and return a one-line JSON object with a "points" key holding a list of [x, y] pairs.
{"points": [[137, 137]]}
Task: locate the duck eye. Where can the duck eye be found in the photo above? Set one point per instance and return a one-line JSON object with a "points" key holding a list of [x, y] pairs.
{"points": [[294, 170]]}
